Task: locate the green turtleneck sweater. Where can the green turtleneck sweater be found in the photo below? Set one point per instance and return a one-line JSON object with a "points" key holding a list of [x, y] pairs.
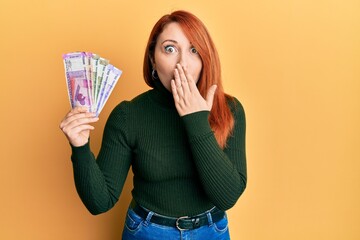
{"points": [[179, 169]]}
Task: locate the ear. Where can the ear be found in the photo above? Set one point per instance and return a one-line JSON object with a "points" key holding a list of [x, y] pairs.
{"points": [[152, 60]]}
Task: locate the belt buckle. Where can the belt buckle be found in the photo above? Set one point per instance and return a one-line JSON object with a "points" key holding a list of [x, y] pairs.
{"points": [[177, 223]]}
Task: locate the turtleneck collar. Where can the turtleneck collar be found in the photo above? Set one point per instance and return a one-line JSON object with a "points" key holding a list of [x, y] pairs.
{"points": [[162, 96]]}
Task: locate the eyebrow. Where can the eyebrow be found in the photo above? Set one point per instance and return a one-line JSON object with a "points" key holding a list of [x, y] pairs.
{"points": [[169, 40]]}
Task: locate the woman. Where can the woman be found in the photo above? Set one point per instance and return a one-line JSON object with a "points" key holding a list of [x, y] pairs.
{"points": [[184, 139]]}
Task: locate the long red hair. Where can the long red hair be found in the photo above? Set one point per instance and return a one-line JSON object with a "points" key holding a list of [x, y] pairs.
{"points": [[221, 119]]}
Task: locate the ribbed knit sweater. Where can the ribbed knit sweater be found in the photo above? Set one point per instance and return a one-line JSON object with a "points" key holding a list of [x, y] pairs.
{"points": [[179, 168]]}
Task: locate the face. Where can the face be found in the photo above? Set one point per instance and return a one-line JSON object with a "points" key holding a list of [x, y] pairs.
{"points": [[173, 47]]}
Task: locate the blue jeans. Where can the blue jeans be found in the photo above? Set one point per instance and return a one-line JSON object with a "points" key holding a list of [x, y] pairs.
{"points": [[137, 228]]}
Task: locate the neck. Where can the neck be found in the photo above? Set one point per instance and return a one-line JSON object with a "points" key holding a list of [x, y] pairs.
{"points": [[162, 96]]}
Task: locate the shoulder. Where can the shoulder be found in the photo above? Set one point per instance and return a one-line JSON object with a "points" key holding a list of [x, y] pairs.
{"points": [[141, 98], [128, 105], [127, 108], [235, 106]]}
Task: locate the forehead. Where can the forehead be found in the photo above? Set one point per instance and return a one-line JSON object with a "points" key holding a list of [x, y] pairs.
{"points": [[173, 31]]}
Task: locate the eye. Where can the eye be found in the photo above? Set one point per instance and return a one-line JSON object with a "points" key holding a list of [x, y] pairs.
{"points": [[193, 50], [170, 49]]}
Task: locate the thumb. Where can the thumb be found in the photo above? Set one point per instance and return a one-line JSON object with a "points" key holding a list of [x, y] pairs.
{"points": [[210, 95]]}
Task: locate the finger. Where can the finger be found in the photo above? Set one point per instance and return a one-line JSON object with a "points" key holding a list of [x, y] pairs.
{"points": [[174, 91], [181, 72], [78, 119], [210, 95], [82, 121], [71, 118], [79, 123], [178, 83], [190, 81], [77, 110], [74, 131], [184, 78]]}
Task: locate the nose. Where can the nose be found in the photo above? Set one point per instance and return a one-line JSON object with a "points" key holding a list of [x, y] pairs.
{"points": [[183, 59]]}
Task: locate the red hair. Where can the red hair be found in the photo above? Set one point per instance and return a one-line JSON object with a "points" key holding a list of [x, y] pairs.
{"points": [[221, 119]]}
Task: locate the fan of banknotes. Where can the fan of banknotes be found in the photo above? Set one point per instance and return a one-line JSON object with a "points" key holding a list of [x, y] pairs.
{"points": [[90, 80]]}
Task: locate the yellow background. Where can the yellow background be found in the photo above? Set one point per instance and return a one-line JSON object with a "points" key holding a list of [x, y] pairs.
{"points": [[294, 64]]}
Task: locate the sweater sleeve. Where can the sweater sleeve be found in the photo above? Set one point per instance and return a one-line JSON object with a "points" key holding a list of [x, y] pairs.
{"points": [[99, 182], [222, 172]]}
